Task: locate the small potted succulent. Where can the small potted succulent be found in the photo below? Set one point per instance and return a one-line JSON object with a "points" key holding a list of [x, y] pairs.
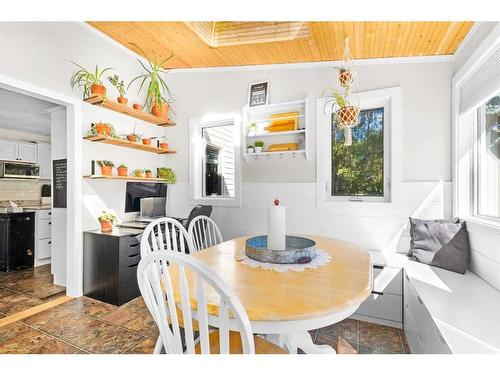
{"points": [[167, 174], [250, 149], [90, 81], [163, 143], [106, 220], [106, 167], [120, 86], [138, 173], [122, 170], [146, 141], [133, 137], [149, 173], [258, 146]]}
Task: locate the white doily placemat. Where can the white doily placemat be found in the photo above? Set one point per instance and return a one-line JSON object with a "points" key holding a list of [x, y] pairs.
{"points": [[321, 258]]}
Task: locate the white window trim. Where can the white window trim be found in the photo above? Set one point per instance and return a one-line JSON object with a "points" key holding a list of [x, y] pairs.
{"points": [[195, 167], [464, 179], [391, 97]]}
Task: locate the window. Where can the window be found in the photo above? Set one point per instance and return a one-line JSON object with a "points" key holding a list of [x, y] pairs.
{"points": [[358, 169], [215, 159], [368, 172], [488, 159]]}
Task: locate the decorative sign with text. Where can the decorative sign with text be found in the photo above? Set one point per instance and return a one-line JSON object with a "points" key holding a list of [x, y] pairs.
{"points": [[258, 94], [60, 182]]}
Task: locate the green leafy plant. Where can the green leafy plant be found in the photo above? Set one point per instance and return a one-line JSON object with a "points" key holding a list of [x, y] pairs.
{"points": [[107, 216], [84, 78], [122, 166], [252, 128], [167, 174], [259, 144], [105, 163], [119, 85], [147, 171], [157, 88], [138, 172]]}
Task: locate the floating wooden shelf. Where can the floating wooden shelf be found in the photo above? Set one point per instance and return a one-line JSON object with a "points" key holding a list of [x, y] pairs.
{"points": [[128, 144], [126, 178], [105, 102]]}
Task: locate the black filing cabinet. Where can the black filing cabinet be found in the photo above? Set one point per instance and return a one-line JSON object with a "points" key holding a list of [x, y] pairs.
{"points": [[17, 240], [110, 263]]}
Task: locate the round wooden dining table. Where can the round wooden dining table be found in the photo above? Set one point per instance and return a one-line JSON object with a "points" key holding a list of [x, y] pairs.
{"points": [[284, 306]]}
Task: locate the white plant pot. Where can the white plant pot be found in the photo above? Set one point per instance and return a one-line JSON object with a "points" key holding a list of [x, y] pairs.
{"points": [[258, 150], [250, 150]]}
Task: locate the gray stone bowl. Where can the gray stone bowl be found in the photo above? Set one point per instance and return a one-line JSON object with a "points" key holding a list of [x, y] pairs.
{"points": [[298, 250]]}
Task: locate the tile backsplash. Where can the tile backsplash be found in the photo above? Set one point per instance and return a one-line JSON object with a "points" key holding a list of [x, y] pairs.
{"points": [[20, 190]]}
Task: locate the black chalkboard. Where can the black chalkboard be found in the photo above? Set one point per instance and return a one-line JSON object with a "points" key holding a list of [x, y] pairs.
{"points": [[60, 182], [258, 94]]}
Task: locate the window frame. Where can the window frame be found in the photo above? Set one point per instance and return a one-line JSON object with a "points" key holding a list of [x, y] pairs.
{"points": [[196, 178], [390, 100]]}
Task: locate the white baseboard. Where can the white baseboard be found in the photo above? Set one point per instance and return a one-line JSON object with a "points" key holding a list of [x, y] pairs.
{"points": [[384, 322]]}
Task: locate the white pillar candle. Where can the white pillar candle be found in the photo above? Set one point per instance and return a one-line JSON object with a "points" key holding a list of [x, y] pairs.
{"points": [[276, 227]]}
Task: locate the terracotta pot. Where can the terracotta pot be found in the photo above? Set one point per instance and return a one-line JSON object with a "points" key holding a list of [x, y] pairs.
{"points": [[98, 89], [106, 226], [347, 116], [106, 170], [164, 145], [122, 100], [345, 78], [132, 138], [102, 129], [122, 171], [137, 106], [160, 112], [146, 141], [149, 174]]}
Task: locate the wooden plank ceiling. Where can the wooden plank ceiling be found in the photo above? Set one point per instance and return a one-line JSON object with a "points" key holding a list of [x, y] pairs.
{"points": [[218, 44]]}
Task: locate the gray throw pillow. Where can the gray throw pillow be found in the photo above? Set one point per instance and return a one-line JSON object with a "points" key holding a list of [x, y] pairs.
{"points": [[440, 243]]}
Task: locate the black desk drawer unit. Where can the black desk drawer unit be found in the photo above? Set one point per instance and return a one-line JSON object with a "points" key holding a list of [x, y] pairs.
{"points": [[110, 263]]}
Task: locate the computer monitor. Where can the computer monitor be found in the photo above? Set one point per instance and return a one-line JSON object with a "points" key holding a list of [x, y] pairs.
{"points": [[137, 190]]}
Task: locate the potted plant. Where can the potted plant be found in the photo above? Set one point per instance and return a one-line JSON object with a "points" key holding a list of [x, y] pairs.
{"points": [[90, 81], [146, 141], [250, 150], [345, 77], [167, 174], [252, 128], [102, 128], [120, 86], [106, 167], [137, 106], [258, 146], [138, 173], [122, 170], [149, 174], [106, 220], [157, 89], [347, 114], [133, 137], [163, 143]]}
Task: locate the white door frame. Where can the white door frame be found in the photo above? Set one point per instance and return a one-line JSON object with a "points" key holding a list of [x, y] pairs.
{"points": [[74, 247]]}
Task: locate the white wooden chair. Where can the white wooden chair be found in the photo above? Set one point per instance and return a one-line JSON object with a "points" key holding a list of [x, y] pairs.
{"points": [[165, 234], [156, 279], [204, 233]]}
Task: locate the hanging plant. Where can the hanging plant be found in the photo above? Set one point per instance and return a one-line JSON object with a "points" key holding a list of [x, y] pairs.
{"points": [[346, 77]]}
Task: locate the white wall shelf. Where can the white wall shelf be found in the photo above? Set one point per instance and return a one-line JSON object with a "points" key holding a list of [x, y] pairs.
{"points": [[261, 116]]}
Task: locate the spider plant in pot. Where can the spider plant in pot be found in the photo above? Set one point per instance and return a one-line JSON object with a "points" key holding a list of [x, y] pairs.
{"points": [[258, 146], [138, 173], [90, 81], [149, 173], [106, 167], [106, 220], [122, 170], [157, 89], [120, 86], [133, 137]]}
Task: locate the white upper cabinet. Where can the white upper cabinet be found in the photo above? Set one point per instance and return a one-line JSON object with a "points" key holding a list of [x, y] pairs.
{"points": [[8, 150], [44, 160], [27, 152]]}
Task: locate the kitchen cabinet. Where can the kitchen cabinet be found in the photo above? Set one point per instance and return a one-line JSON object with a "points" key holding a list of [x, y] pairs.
{"points": [[21, 151], [43, 237], [8, 150], [44, 160]]}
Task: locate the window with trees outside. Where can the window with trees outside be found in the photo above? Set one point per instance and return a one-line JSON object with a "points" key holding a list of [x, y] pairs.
{"points": [[488, 159], [358, 170]]}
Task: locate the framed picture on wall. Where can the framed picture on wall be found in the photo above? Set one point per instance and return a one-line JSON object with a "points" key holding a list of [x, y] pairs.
{"points": [[258, 94]]}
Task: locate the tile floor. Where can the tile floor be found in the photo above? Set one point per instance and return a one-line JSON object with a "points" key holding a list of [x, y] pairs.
{"points": [[84, 325]]}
